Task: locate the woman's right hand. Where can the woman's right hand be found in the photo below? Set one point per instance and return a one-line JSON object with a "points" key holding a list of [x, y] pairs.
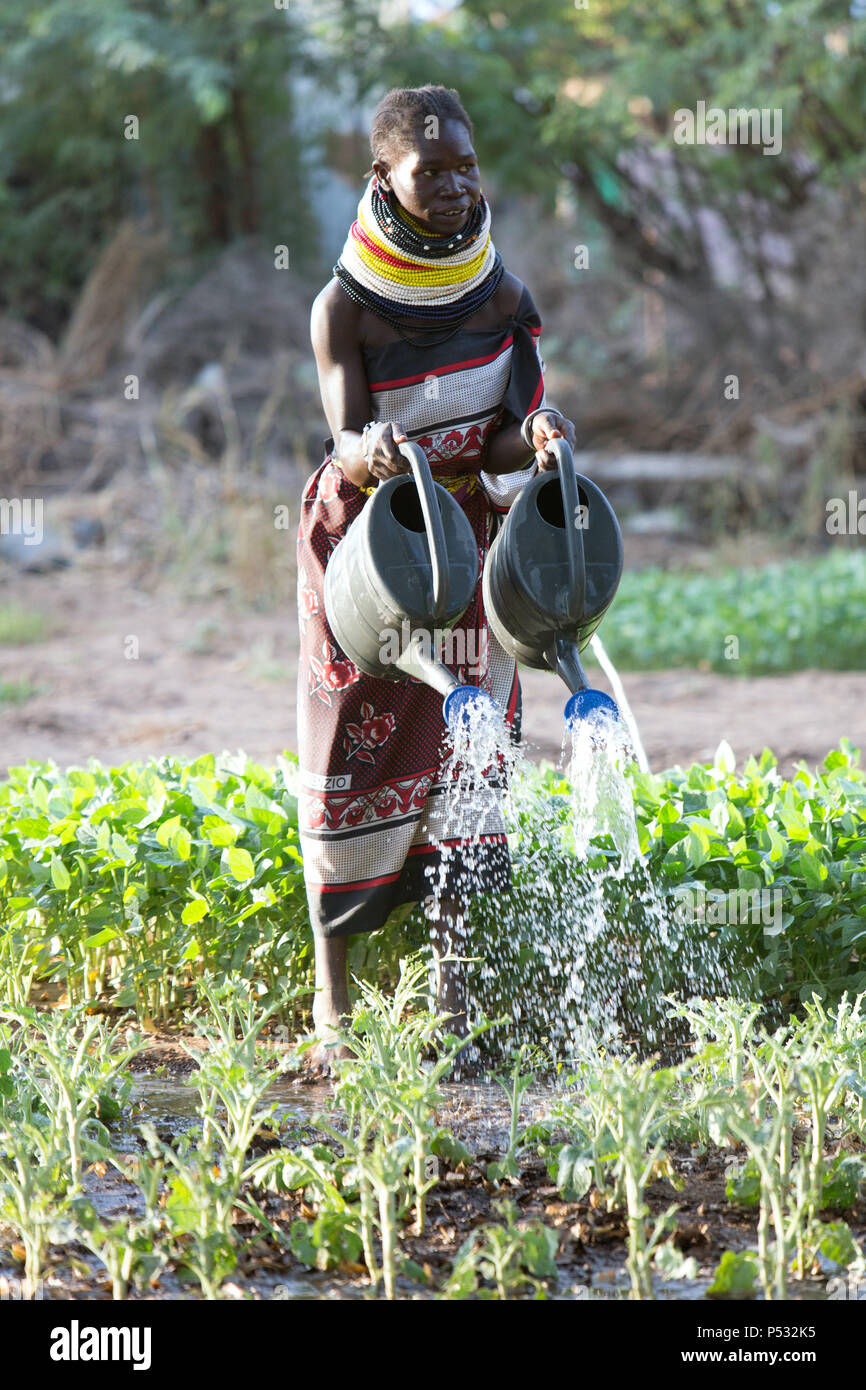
{"points": [[385, 459]]}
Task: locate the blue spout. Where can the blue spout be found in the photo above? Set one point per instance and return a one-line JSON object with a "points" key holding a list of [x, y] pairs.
{"points": [[586, 703], [463, 699]]}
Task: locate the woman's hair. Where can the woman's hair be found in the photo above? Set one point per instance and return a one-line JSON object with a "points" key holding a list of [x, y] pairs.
{"points": [[400, 116]]}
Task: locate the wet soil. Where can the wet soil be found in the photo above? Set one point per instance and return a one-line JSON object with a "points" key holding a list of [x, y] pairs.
{"points": [[590, 1258]]}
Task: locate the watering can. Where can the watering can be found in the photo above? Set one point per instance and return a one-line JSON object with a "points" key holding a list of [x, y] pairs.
{"points": [[405, 570], [551, 574]]}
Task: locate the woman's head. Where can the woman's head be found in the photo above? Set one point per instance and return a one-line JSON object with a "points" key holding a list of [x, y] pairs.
{"points": [[421, 139]]}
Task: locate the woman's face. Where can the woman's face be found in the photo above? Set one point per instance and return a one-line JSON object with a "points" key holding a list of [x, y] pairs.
{"points": [[437, 181]]}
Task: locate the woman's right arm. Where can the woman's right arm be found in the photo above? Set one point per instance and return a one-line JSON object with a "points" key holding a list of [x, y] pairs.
{"points": [[334, 329]]}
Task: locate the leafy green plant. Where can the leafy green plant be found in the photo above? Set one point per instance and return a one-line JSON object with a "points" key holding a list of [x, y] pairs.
{"points": [[199, 1199], [510, 1258], [128, 1249], [794, 616], [139, 880], [212, 1167], [784, 859], [515, 1085], [383, 1158], [638, 1097], [134, 883], [735, 1275], [388, 1073], [76, 1087], [34, 1197]]}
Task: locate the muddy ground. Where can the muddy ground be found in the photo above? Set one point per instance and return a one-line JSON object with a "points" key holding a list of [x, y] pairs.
{"points": [[590, 1258], [126, 672]]}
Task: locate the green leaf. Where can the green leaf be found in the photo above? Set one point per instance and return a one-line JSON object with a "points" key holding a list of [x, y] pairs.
{"points": [[240, 863], [735, 1274], [446, 1147], [778, 846], [59, 874], [842, 1183], [220, 835], [744, 1186], [101, 938], [122, 849], [175, 837], [194, 911], [180, 843], [697, 847], [165, 831], [795, 823], [671, 1263], [538, 1249], [813, 871], [573, 1172], [837, 1245], [180, 1205], [503, 1168]]}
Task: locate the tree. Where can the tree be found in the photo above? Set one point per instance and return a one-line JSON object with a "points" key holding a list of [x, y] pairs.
{"points": [[177, 112]]}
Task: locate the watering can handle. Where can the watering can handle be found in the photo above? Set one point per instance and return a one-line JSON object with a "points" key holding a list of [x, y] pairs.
{"points": [[561, 450], [432, 523]]}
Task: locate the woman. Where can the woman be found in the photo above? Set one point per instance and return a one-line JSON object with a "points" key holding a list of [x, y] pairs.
{"points": [[422, 335]]}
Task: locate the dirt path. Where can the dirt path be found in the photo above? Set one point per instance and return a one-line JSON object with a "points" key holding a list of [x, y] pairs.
{"points": [[129, 675]]}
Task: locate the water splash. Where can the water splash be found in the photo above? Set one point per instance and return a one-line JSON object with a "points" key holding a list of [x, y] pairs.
{"points": [[575, 937], [601, 798]]}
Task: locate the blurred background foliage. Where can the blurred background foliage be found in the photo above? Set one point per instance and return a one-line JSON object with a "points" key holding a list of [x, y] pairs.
{"points": [[153, 258], [560, 96]]}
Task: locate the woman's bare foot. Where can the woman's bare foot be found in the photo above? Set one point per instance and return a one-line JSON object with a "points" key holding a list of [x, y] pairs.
{"points": [[320, 1059]]}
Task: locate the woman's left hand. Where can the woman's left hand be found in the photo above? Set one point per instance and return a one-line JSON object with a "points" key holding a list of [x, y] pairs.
{"points": [[545, 427]]}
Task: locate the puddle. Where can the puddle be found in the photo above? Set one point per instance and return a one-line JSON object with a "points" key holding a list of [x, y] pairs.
{"points": [[173, 1101]]}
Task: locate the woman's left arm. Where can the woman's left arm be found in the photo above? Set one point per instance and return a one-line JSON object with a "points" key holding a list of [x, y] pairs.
{"points": [[507, 452]]}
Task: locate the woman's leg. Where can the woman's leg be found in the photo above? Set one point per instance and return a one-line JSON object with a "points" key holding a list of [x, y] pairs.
{"points": [[447, 932], [331, 1007], [331, 1000]]}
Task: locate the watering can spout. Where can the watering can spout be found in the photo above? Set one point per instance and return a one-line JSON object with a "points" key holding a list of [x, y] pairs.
{"points": [[563, 656], [589, 704], [466, 703], [585, 703], [420, 664], [463, 704]]}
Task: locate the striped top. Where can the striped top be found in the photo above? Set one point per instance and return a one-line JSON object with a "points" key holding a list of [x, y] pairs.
{"points": [[450, 397]]}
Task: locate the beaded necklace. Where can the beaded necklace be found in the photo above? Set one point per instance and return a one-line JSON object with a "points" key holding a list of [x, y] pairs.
{"points": [[393, 266]]}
